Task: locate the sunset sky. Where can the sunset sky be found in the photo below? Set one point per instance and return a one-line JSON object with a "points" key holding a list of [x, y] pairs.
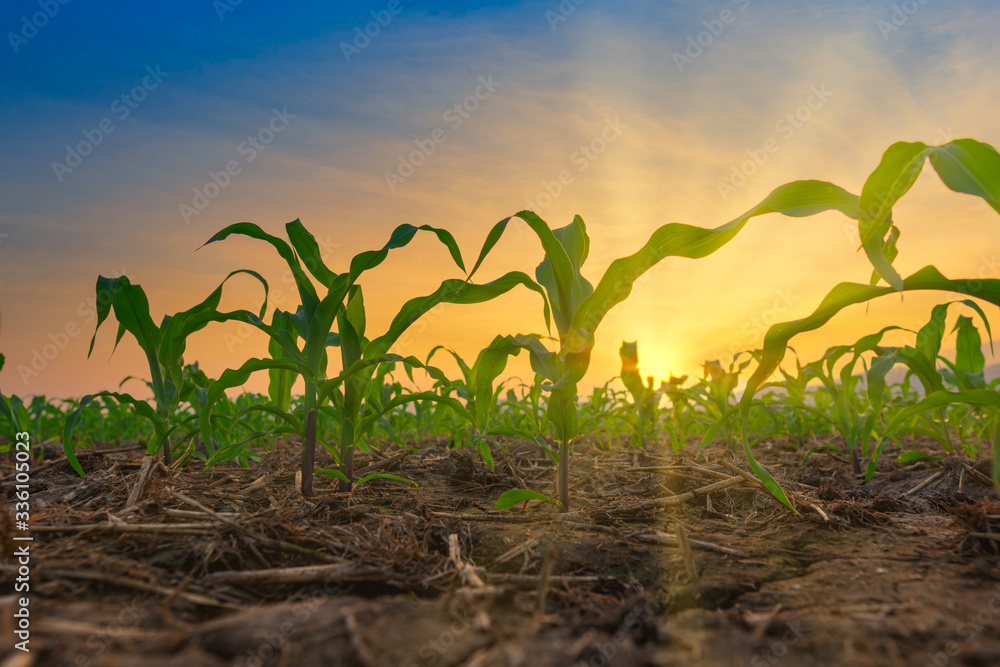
{"points": [[121, 119]]}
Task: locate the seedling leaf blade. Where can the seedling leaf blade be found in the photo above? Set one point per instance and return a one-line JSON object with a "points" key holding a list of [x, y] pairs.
{"points": [[510, 498]]}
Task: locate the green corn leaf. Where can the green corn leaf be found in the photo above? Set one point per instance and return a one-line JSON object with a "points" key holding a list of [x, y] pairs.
{"points": [[307, 291], [895, 175], [333, 473], [969, 357], [514, 496], [307, 248], [797, 199], [910, 457], [450, 291], [875, 378], [490, 363], [279, 388], [491, 240], [930, 335], [964, 165], [176, 329], [319, 324], [231, 378], [846, 294], [74, 417], [557, 273], [971, 167], [356, 311], [132, 311], [385, 475], [400, 237]]}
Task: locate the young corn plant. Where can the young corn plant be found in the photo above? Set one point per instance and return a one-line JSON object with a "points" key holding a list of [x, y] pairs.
{"points": [[164, 346], [578, 307], [682, 420], [343, 306], [646, 399], [921, 361], [715, 392], [606, 413], [847, 294], [482, 399], [849, 415], [964, 165]]}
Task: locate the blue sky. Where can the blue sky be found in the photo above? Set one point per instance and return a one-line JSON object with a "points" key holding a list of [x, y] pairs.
{"points": [[859, 75]]}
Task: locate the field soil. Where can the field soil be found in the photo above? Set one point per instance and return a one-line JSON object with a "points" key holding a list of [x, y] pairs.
{"points": [[665, 559]]}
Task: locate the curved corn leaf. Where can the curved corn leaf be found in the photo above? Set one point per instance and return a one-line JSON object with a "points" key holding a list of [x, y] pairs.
{"points": [[308, 250], [177, 328], [796, 199], [334, 473], [964, 165], [307, 291], [450, 291], [400, 237], [847, 294], [843, 295]]}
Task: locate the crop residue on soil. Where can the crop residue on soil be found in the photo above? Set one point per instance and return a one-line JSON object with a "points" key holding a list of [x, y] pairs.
{"points": [[664, 560]]}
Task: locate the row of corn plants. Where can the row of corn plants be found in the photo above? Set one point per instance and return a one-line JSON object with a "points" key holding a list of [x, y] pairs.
{"points": [[354, 392]]}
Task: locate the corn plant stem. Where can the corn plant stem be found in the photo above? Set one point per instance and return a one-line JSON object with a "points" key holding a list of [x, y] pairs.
{"points": [[347, 454], [564, 476], [308, 453], [168, 456]]}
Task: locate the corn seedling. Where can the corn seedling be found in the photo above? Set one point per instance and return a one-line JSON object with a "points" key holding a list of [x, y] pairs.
{"points": [[578, 307], [343, 306], [164, 347], [646, 399]]}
